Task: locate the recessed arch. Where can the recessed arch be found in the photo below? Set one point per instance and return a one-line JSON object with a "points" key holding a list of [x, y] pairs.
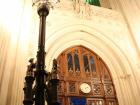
{"points": [[99, 81], [96, 41], [78, 34]]}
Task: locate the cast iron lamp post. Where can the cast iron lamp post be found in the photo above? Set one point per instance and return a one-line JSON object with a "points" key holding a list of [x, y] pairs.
{"points": [[36, 91]]}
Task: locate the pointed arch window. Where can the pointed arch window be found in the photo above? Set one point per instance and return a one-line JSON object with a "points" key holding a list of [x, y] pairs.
{"points": [[69, 61], [77, 64], [92, 64], [86, 63], [80, 65]]}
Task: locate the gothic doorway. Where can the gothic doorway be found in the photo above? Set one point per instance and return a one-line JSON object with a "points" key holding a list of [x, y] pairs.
{"points": [[84, 79]]}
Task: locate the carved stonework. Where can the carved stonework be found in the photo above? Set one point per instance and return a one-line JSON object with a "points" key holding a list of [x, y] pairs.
{"points": [[88, 74], [84, 83], [72, 88], [77, 73], [86, 11], [112, 102], [60, 87], [82, 8], [97, 89], [109, 91]]}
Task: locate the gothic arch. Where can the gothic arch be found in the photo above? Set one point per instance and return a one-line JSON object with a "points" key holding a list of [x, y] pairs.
{"points": [[80, 67], [96, 41]]}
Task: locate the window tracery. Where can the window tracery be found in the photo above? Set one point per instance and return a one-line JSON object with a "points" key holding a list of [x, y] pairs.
{"points": [[109, 91], [97, 89], [78, 65], [86, 63], [69, 61], [76, 61]]}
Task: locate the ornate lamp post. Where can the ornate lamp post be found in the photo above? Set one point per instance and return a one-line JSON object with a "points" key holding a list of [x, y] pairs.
{"points": [[36, 73]]}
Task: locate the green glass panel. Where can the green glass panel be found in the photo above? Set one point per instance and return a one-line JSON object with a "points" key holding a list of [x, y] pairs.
{"points": [[93, 2]]}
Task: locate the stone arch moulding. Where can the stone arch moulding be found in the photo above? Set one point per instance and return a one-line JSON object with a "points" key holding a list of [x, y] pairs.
{"points": [[97, 42]]}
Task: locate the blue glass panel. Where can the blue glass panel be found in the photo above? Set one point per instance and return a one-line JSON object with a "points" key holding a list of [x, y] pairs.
{"points": [[92, 63], [77, 101]]}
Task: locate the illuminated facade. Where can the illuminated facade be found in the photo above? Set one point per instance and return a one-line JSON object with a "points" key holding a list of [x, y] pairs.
{"points": [[111, 30]]}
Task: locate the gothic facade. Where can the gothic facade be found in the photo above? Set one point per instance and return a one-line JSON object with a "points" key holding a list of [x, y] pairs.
{"points": [[109, 29]]}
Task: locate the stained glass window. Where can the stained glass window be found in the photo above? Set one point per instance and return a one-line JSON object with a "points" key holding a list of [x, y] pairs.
{"points": [[69, 60], [86, 63], [92, 64], [78, 101], [93, 2], [76, 60]]}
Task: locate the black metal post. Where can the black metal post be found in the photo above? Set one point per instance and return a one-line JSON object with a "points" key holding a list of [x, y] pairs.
{"points": [[28, 84], [28, 97], [39, 92], [54, 94], [54, 81], [43, 11]]}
